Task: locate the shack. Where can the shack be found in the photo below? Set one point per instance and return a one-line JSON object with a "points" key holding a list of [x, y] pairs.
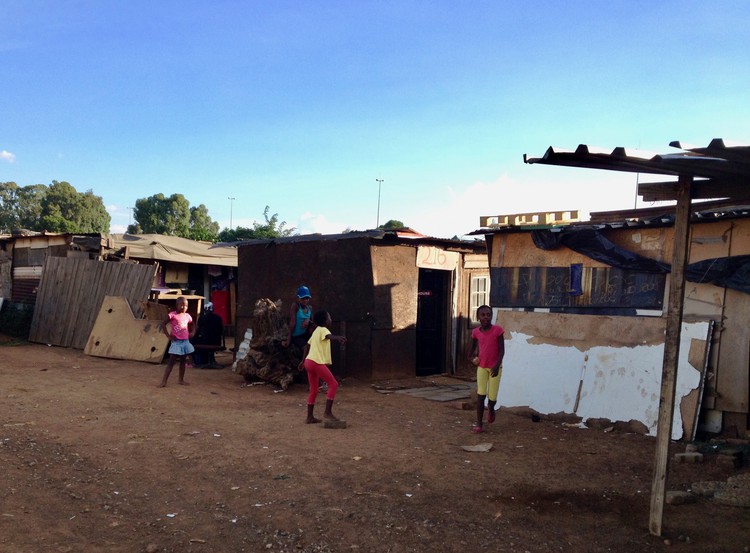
{"points": [[194, 269], [585, 307], [24, 253], [404, 301]]}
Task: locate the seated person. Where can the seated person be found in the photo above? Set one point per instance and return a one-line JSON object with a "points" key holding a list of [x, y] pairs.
{"points": [[209, 332]]}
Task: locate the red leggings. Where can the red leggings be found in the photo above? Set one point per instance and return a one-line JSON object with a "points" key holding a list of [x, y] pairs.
{"points": [[315, 373]]}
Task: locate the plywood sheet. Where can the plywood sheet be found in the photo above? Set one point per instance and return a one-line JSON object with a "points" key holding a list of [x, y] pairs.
{"points": [[117, 334], [732, 380], [154, 311]]}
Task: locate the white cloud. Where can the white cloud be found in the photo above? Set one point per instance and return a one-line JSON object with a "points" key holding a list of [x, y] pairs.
{"points": [[311, 223], [5, 155], [455, 212]]}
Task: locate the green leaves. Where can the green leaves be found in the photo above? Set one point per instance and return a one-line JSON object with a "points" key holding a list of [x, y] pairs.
{"points": [[57, 208], [271, 229], [173, 216]]}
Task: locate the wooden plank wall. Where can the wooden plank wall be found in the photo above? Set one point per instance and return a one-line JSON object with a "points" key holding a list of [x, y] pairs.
{"points": [[71, 293]]}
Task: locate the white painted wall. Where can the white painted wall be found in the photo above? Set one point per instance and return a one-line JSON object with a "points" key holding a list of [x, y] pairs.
{"points": [[619, 383]]}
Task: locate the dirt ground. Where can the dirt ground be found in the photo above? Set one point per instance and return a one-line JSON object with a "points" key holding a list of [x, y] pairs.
{"points": [[96, 458]]}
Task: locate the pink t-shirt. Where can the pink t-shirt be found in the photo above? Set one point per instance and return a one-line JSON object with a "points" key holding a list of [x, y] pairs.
{"points": [[488, 348], [180, 322]]}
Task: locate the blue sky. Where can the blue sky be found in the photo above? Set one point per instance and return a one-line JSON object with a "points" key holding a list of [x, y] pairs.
{"points": [[302, 105]]}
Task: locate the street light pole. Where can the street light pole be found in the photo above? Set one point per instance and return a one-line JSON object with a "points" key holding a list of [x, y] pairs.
{"points": [[231, 204], [377, 221]]}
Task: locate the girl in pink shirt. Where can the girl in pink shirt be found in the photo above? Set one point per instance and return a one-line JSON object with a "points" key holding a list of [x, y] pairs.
{"points": [[487, 352], [179, 328]]}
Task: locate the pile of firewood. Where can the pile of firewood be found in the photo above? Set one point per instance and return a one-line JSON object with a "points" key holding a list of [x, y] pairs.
{"points": [[267, 359]]}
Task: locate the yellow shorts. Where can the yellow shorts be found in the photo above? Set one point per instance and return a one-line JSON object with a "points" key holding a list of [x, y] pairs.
{"points": [[488, 385]]}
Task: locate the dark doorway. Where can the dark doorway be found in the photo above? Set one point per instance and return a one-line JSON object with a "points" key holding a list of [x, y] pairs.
{"points": [[432, 305]]}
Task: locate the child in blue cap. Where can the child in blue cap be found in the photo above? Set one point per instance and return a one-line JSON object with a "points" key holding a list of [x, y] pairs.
{"points": [[300, 319]]}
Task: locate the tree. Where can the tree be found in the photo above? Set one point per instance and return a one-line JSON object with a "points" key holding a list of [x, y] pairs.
{"points": [[271, 229], [8, 206], [20, 206], [30, 205], [173, 216], [66, 210], [201, 225], [158, 214], [392, 224]]}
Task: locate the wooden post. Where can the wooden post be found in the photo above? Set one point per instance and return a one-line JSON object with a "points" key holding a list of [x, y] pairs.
{"points": [[671, 352]]}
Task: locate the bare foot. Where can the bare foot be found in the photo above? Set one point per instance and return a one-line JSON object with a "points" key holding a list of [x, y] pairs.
{"points": [[311, 420], [184, 383], [162, 385]]}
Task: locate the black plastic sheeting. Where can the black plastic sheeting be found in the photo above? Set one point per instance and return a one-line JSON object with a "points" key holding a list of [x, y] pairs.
{"points": [[591, 243], [728, 272]]}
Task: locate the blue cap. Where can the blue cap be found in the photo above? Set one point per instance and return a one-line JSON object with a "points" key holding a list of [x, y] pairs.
{"points": [[303, 292]]}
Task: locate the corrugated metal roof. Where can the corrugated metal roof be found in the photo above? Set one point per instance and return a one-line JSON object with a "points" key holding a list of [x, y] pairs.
{"points": [[720, 170], [395, 236], [662, 216]]}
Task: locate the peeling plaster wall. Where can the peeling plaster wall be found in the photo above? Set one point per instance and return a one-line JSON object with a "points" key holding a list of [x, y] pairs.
{"points": [[726, 400], [619, 380]]}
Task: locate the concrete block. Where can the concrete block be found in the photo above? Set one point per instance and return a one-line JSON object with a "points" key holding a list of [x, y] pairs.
{"points": [[691, 457], [327, 423]]}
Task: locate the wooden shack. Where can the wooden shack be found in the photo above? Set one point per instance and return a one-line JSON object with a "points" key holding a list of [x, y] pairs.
{"points": [[403, 300]]}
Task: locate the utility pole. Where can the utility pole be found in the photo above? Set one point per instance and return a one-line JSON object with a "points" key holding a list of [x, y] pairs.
{"points": [[380, 183], [231, 205]]}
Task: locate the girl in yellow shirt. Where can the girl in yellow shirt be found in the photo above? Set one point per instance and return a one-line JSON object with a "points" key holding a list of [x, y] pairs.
{"points": [[316, 358]]}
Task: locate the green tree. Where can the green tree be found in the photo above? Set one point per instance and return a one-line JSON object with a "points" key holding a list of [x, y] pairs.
{"points": [[30, 205], [270, 229], [173, 216], [20, 206], [158, 214], [8, 206], [64, 209], [392, 224], [201, 225]]}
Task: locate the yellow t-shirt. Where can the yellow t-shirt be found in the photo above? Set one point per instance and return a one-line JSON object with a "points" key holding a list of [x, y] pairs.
{"points": [[320, 347]]}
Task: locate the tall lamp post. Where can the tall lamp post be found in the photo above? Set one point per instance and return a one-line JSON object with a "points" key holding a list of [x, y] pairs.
{"points": [[377, 221], [231, 205]]}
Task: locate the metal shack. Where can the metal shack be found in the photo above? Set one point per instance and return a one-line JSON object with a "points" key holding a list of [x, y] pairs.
{"points": [[403, 300], [584, 306]]}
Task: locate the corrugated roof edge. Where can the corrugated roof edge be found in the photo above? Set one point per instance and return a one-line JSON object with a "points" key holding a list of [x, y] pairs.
{"points": [[387, 236], [644, 217]]}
